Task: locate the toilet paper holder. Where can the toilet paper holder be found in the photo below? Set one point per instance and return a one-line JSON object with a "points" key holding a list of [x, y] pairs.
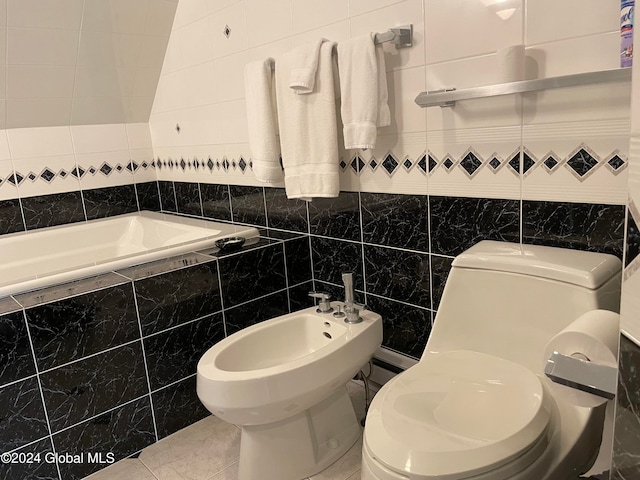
{"points": [[582, 374]]}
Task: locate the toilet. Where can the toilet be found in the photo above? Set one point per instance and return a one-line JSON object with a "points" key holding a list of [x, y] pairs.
{"points": [[478, 405]]}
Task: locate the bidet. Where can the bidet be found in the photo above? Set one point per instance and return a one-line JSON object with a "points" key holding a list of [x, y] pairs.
{"points": [[283, 382]]}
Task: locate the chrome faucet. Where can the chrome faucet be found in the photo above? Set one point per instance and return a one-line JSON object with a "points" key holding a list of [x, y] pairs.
{"points": [[351, 309], [324, 302]]}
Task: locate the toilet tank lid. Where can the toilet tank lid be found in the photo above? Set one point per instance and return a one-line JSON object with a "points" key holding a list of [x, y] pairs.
{"points": [[585, 269]]}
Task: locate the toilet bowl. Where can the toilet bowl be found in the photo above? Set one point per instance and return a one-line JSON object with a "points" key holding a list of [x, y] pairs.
{"points": [[283, 382], [477, 405]]}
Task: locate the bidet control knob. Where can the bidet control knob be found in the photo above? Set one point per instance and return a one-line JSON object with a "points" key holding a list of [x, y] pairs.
{"points": [[324, 303]]}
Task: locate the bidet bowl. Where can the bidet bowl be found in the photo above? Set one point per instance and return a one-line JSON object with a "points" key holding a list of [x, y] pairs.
{"points": [[283, 366]]}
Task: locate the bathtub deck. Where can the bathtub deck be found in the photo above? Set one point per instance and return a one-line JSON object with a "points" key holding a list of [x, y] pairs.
{"points": [[209, 449]]}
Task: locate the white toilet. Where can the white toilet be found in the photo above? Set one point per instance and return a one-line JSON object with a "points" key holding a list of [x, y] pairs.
{"points": [[477, 405]]}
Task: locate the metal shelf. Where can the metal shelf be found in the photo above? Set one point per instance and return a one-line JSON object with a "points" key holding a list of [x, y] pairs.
{"points": [[448, 97]]}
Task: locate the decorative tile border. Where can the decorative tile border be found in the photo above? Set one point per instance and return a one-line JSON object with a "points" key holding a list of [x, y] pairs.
{"points": [[581, 162]]}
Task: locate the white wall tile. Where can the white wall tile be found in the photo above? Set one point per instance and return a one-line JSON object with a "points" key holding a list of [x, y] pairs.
{"points": [[160, 17], [379, 21], [550, 20], [406, 116], [138, 136], [197, 44], [460, 28], [39, 46], [137, 109], [229, 80], [118, 16], [358, 7], [575, 55], [37, 112], [152, 51], [5, 154], [201, 84], [145, 82], [233, 17], [311, 14], [96, 81], [268, 21], [64, 14], [3, 12], [105, 178], [97, 110], [189, 11], [104, 48], [40, 142], [99, 138], [7, 190], [336, 32], [36, 81]]}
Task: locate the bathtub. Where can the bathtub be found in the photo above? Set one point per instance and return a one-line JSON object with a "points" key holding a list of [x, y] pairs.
{"points": [[49, 256]]}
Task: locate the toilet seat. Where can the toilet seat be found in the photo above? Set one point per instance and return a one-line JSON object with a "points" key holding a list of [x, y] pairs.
{"points": [[458, 414]]}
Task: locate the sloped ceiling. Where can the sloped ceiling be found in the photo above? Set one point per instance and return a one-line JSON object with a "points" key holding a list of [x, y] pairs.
{"points": [[79, 62]]}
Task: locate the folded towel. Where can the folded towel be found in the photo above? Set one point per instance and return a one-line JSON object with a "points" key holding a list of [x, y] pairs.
{"points": [[308, 130], [263, 128], [363, 84], [384, 114], [304, 66]]}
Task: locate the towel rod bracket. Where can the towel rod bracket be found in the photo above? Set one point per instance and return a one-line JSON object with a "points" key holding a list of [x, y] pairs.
{"points": [[403, 36]]}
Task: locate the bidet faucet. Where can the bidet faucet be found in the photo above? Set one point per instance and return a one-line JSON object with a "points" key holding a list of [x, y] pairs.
{"points": [[351, 309], [324, 302]]}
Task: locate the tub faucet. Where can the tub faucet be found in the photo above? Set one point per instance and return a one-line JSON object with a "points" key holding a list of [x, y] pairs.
{"points": [[351, 309]]}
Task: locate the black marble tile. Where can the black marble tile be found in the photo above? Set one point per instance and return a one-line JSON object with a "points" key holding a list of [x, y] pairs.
{"points": [[336, 217], [398, 274], [177, 297], [632, 244], [77, 391], [16, 359], [332, 258], [396, 220], [440, 268], [177, 407], [120, 432], [73, 328], [457, 223], [148, 196], [22, 418], [247, 205], [167, 196], [299, 296], [250, 313], [11, 216], [298, 257], [174, 354], [406, 329], [580, 226], [215, 201], [39, 467], [252, 274], [188, 198], [51, 210], [110, 201], [285, 214], [337, 292]]}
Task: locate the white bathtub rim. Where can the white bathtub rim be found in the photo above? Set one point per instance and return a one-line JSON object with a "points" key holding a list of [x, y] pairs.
{"points": [[90, 269]]}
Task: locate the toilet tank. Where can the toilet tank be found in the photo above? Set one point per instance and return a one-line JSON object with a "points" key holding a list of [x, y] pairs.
{"points": [[509, 300]]}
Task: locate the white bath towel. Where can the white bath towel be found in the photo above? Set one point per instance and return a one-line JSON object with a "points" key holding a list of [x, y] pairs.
{"points": [[262, 121], [304, 65], [363, 85], [308, 130]]}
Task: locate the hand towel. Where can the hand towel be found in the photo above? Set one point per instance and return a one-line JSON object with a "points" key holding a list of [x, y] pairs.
{"points": [[363, 86], [304, 66], [262, 123], [308, 130]]}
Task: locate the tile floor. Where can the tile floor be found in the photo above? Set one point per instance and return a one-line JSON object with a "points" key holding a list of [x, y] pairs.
{"points": [[209, 450]]}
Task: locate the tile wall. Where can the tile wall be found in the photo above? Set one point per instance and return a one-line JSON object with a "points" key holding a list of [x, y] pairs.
{"points": [[57, 175], [107, 364]]}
